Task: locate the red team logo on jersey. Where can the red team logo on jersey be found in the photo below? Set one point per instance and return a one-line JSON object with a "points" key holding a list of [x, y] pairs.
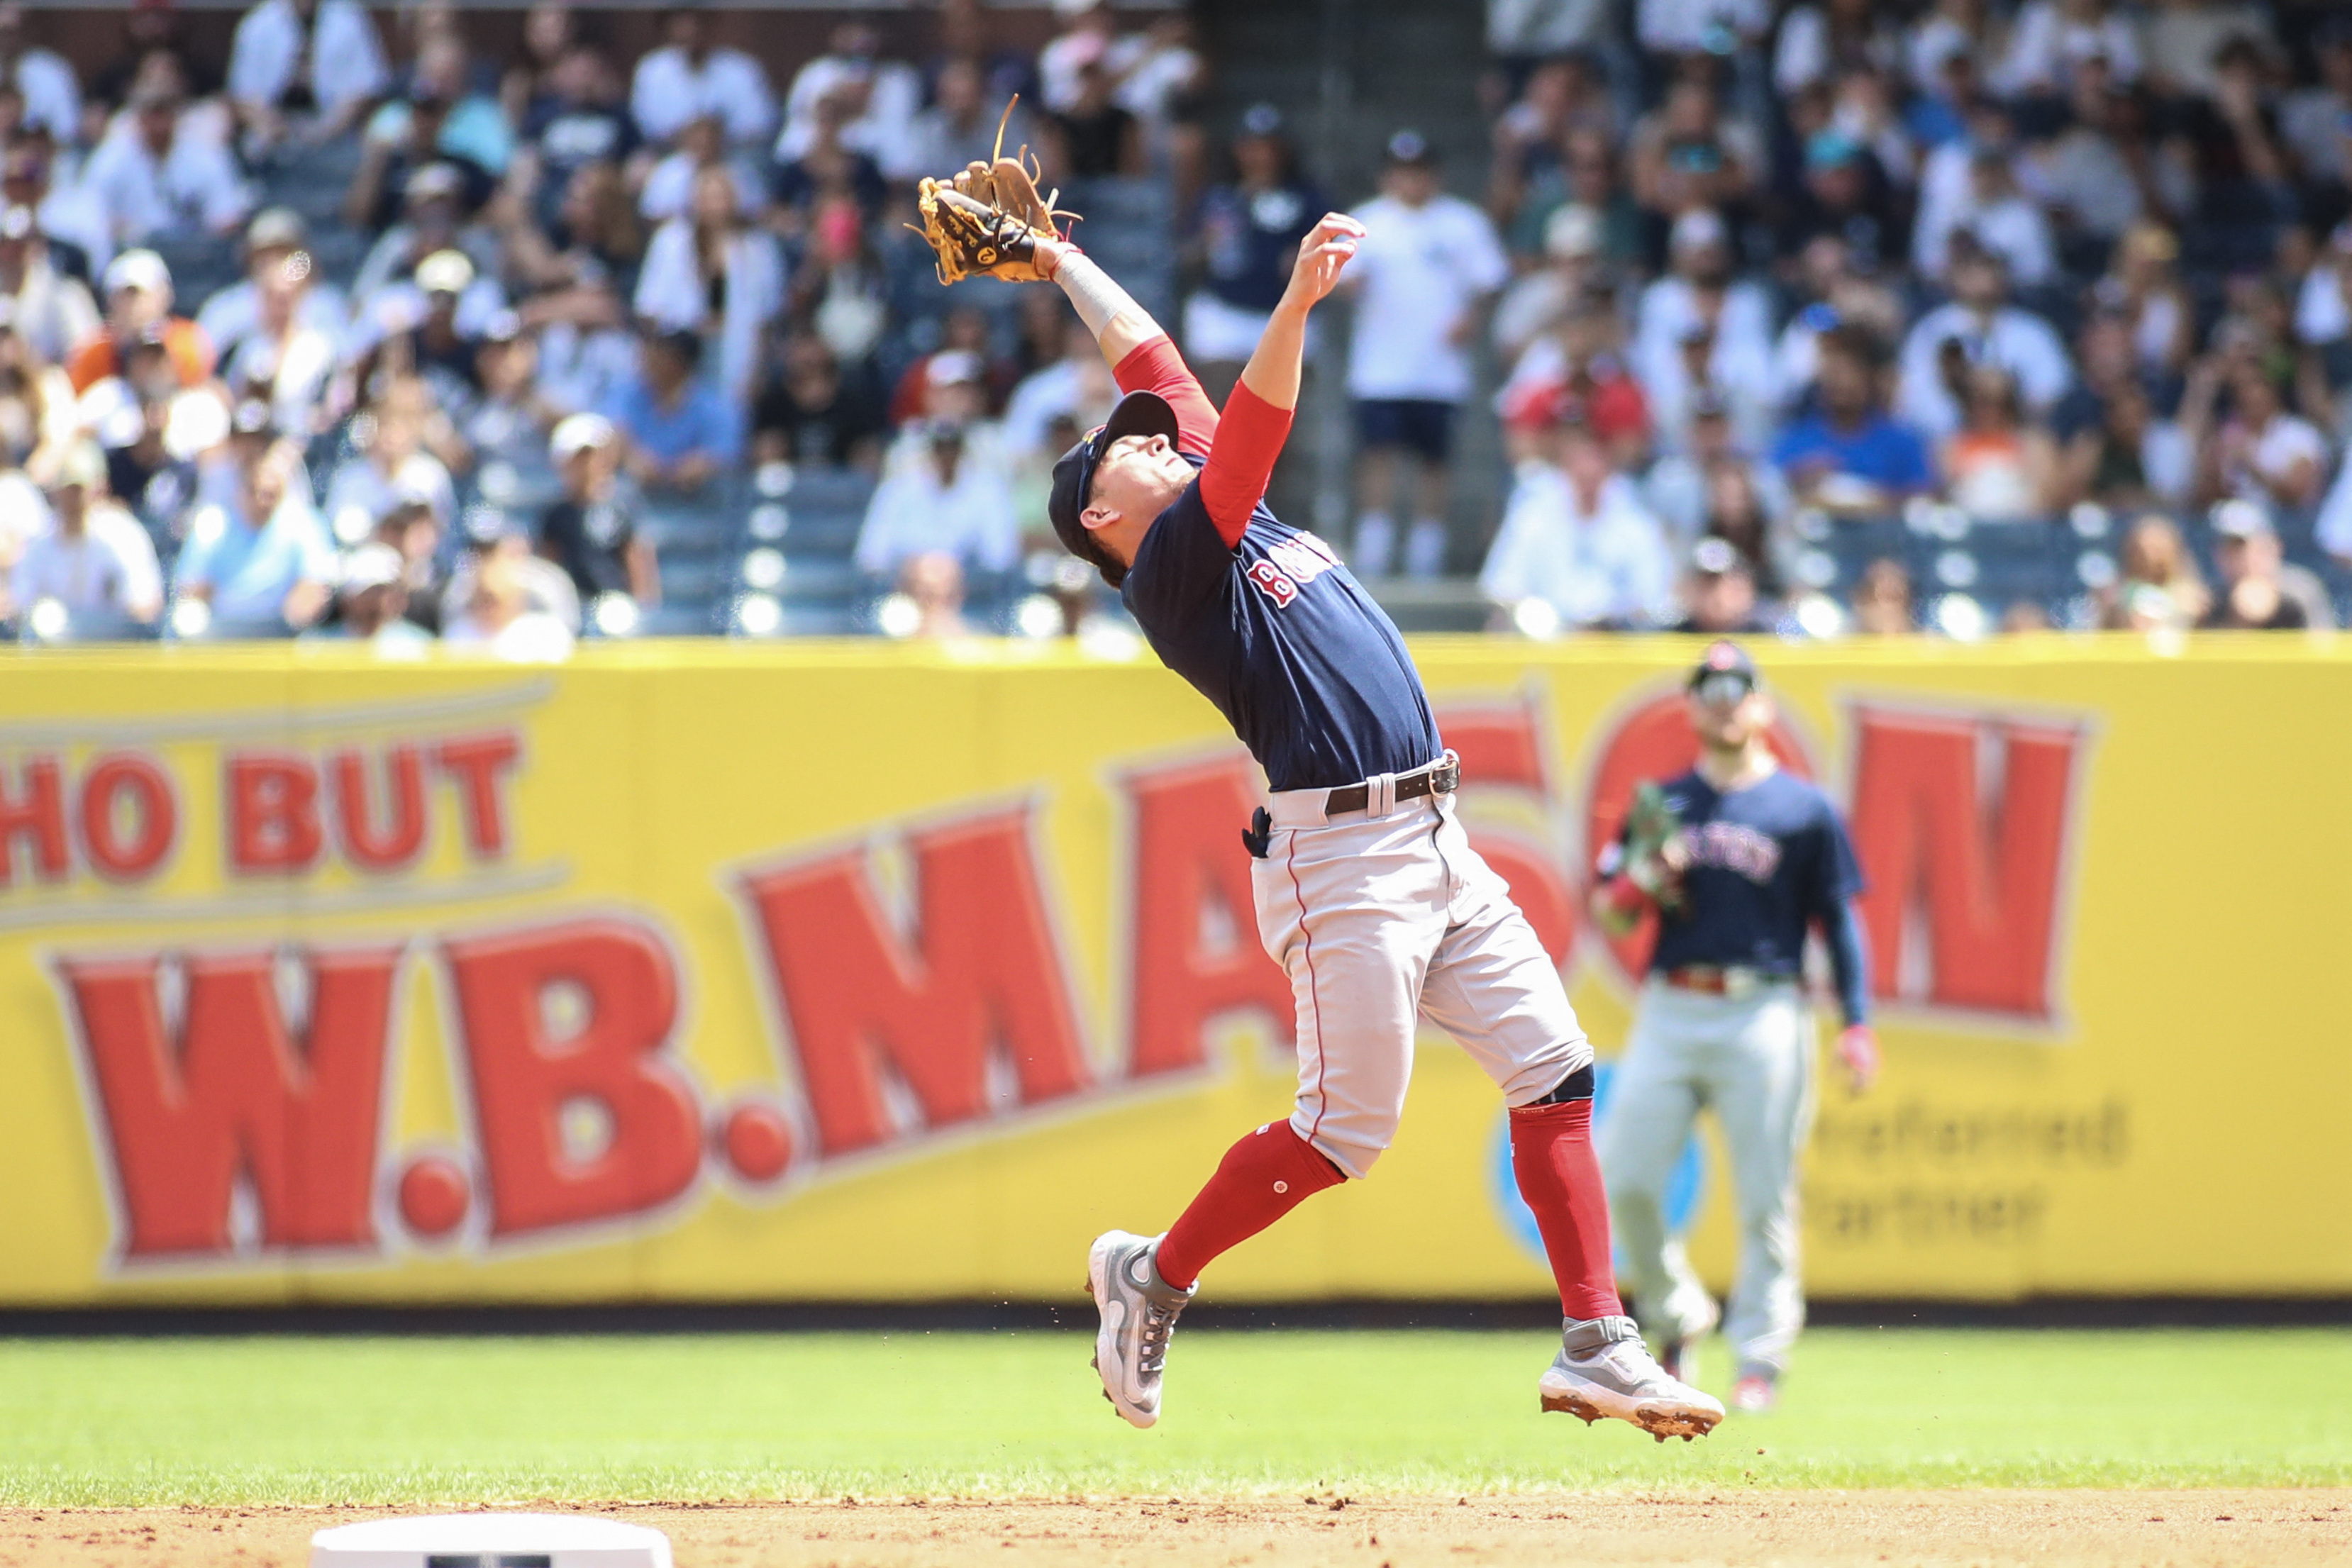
{"points": [[1291, 566]]}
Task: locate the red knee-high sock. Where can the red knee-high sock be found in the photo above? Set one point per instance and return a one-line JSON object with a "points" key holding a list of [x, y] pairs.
{"points": [[1262, 1178], [1551, 1156]]}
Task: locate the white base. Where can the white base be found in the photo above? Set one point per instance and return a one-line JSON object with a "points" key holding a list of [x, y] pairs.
{"points": [[490, 1540]]}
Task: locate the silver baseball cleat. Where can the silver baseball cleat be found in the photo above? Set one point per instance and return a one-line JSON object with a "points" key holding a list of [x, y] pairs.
{"points": [[1603, 1369], [1139, 1312]]}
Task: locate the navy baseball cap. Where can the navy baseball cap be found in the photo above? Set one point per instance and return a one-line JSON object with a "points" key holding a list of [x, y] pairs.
{"points": [[1136, 413], [1723, 658]]}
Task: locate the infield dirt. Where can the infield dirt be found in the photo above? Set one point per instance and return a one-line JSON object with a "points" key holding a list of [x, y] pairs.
{"points": [[1730, 1527]]}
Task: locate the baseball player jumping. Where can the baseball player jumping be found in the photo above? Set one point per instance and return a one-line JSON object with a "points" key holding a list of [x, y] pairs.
{"points": [[1368, 893], [1746, 859]]}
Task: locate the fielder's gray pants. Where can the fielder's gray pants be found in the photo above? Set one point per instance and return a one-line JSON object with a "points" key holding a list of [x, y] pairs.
{"points": [[1750, 1061]]}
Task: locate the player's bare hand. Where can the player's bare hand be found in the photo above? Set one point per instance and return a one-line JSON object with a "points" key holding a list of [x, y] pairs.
{"points": [[1322, 255], [1857, 1049]]}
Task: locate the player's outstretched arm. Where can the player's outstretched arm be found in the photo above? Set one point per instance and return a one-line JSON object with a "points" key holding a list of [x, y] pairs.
{"points": [[1272, 371], [1120, 326]]}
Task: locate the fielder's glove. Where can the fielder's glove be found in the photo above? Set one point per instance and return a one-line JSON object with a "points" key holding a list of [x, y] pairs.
{"points": [[1653, 847], [988, 218]]}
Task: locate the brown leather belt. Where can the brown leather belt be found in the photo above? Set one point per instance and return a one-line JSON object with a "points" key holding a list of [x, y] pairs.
{"points": [[1719, 980], [1437, 779]]}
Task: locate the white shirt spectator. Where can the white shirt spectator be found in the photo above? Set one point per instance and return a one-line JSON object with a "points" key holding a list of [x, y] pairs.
{"points": [[2274, 453], [196, 182], [2010, 227], [669, 90], [2332, 531], [71, 212], [52, 97], [1533, 27], [1689, 26], [2323, 313], [882, 132], [1060, 61], [346, 57], [109, 566], [1801, 58], [669, 188], [1160, 75], [2046, 44], [1609, 564], [1740, 372], [1420, 272], [362, 495], [914, 513], [2017, 340], [2182, 41], [1081, 389], [580, 367], [53, 312], [672, 294], [233, 314], [1669, 308]]}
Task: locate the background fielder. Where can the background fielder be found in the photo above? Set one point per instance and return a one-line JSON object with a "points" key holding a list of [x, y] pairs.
{"points": [[1756, 857]]}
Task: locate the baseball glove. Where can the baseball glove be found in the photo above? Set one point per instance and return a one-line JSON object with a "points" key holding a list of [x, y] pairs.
{"points": [[1653, 850], [988, 219]]}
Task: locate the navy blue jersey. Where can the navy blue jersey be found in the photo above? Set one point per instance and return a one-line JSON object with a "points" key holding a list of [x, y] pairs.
{"points": [[1278, 635], [1766, 862]]}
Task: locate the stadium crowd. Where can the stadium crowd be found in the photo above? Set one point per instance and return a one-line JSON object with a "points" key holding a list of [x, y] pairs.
{"points": [[1819, 318]]}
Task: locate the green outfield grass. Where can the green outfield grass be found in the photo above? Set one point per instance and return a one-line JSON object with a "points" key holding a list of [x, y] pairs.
{"points": [[726, 1415]]}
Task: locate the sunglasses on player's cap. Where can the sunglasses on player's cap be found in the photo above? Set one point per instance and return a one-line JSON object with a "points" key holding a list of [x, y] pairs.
{"points": [[1136, 413], [1725, 673]]}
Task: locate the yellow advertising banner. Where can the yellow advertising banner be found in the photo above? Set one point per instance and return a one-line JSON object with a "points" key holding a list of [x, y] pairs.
{"points": [[703, 972]]}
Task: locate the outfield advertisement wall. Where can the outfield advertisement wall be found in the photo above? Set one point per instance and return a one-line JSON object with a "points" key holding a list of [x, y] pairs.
{"points": [[706, 973]]}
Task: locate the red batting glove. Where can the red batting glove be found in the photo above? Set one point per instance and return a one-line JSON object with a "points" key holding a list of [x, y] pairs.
{"points": [[1857, 1047]]}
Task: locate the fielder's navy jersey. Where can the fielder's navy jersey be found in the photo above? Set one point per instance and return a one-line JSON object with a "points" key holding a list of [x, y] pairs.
{"points": [[1278, 635], [1765, 863]]}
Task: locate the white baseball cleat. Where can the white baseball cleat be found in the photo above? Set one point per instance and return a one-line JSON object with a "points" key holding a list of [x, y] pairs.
{"points": [[1603, 1369], [1139, 1312]]}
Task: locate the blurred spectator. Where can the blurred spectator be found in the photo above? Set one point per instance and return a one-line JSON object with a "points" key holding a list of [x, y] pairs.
{"points": [[2109, 170], [410, 532], [39, 420], [314, 66], [2182, 36], [2116, 450], [2255, 449], [1685, 156], [495, 613], [2157, 587], [511, 419], [708, 271], [591, 532], [1682, 485], [1248, 233], [288, 354], [372, 605], [2323, 307], [1996, 467], [573, 120], [1702, 291], [1571, 272], [687, 77], [827, 167], [1426, 265], [139, 302], [1882, 600], [93, 557], [70, 221], [1078, 388], [668, 191], [392, 468], [2053, 38], [1575, 371], [1089, 37], [431, 220], [1820, 41], [52, 312], [1529, 179], [2259, 591], [1979, 327], [275, 259], [1742, 512], [1845, 195], [1994, 217], [1093, 137], [157, 174], [1577, 537], [262, 560], [680, 431], [873, 103], [810, 412], [840, 287], [944, 505], [2242, 167], [2316, 121], [1719, 593], [2144, 289], [52, 96], [1849, 456], [1701, 27], [533, 73], [441, 123], [960, 127]]}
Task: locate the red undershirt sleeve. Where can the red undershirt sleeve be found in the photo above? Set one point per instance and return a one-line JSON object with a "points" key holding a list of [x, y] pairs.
{"points": [[1157, 367], [1249, 439]]}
